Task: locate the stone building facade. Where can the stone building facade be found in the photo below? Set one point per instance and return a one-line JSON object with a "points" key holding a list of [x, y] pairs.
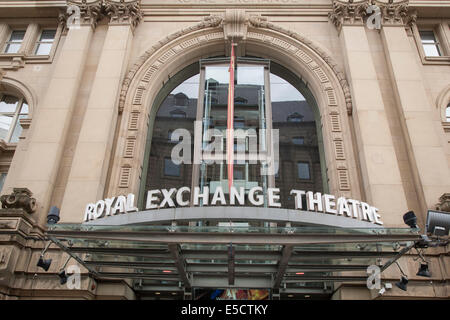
{"points": [[81, 82]]}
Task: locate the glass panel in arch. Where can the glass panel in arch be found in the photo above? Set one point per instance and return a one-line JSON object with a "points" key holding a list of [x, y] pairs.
{"points": [[249, 118], [177, 111], [299, 162]]}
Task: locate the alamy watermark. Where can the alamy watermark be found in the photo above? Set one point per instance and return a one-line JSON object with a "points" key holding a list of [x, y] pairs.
{"points": [[250, 147], [74, 277], [74, 18], [374, 278], [374, 20]]}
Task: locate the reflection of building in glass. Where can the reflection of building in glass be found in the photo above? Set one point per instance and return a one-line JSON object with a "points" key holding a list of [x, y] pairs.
{"points": [[299, 158]]}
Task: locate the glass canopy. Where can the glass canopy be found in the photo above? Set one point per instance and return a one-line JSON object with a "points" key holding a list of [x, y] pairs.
{"points": [[178, 258]]}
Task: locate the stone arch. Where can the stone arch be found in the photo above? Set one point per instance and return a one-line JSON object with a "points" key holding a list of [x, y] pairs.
{"points": [[442, 102], [306, 59], [20, 88]]}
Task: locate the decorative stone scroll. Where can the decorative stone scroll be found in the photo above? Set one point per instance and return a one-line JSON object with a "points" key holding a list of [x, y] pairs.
{"points": [[354, 12], [20, 198], [90, 11], [235, 25], [444, 203], [393, 12], [124, 12], [348, 12]]}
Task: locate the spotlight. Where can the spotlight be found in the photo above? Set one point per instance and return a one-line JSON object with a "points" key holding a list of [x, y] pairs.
{"points": [[438, 223], [410, 219], [62, 277], [53, 215], [44, 263], [423, 270], [402, 283]]}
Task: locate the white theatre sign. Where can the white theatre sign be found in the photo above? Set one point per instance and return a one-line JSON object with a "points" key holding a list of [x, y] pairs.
{"points": [[163, 198]]}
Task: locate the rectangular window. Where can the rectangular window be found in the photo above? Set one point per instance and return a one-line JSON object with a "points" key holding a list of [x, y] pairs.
{"points": [[430, 43], [303, 170], [298, 140], [239, 172], [15, 41], [171, 169], [44, 45]]}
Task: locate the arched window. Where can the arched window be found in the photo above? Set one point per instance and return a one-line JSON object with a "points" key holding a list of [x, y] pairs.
{"points": [[295, 117], [12, 109], [292, 112], [447, 113]]}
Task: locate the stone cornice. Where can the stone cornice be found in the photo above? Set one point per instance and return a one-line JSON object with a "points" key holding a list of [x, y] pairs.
{"points": [[124, 12]]}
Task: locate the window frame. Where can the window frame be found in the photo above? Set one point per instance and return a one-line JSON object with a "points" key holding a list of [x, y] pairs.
{"points": [[17, 60], [438, 29], [436, 43], [164, 169], [16, 115], [38, 41], [309, 169], [8, 42]]}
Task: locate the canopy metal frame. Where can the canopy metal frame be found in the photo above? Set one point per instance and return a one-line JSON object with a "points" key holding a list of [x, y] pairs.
{"points": [[176, 260]]}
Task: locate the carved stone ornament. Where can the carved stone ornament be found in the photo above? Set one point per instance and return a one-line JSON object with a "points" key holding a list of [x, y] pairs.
{"points": [[20, 198], [90, 11], [124, 12], [354, 12], [235, 25], [348, 12], [393, 12], [444, 203]]}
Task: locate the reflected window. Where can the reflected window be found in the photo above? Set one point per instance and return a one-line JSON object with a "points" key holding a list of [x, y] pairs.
{"points": [[12, 109], [159, 169], [178, 114], [170, 168], [15, 41], [298, 140], [430, 43], [295, 117], [303, 170]]}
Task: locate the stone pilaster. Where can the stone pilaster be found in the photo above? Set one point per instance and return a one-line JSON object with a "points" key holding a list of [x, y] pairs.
{"points": [[86, 182], [4, 31], [36, 163], [380, 172], [426, 151]]}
